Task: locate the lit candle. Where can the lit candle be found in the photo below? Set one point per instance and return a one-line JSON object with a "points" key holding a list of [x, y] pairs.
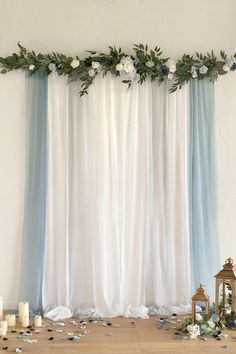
{"points": [[3, 325], [25, 321], [3, 331], [23, 310], [11, 320], [1, 308], [38, 321]]}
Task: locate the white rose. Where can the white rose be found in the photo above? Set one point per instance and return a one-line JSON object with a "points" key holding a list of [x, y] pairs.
{"points": [[91, 72], [119, 67], [190, 328], [198, 317], [75, 63], [171, 65], [203, 69], [95, 64], [193, 336], [31, 67], [129, 67], [149, 64], [226, 67]]}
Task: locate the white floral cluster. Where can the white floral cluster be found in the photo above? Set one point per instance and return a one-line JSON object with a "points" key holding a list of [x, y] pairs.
{"points": [[194, 331], [75, 63], [127, 69], [229, 64], [96, 68], [195, 70], [171, 65], [202, 327]]}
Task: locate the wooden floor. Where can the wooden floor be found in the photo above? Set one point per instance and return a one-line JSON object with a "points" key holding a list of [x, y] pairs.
{"points": [[128, 338]]}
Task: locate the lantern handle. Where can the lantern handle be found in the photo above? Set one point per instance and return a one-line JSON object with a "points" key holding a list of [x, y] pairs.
{"points": [[229, 260]]}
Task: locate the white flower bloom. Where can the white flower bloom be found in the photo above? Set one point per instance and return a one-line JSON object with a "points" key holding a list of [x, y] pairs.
{"points": [[31, 67], [190, 328], [198, 317], [136, 78], [231, 62], [129, 67], [203, 69], [75, 63], [196, 329], [226, 67], [194, 72], [91, 72], [193, 336], [119, 67], [95, 64], [52, 67], [123, 74], [149, 63], [126, 60], [170, 76], [171, 65], [211, 324]]}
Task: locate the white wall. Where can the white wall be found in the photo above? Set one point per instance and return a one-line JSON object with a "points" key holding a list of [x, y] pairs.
{"points": [[73, 26]]}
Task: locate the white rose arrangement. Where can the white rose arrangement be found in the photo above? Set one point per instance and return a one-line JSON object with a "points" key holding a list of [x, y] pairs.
{"points": [[171, 65], [127, 69]]}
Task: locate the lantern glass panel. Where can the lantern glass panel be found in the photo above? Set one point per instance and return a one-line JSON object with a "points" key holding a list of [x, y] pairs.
{"points": [[203, 306]]}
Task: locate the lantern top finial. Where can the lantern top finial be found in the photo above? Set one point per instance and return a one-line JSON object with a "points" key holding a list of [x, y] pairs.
{"points": [[227, 273], [200, 294], [229, 260]]}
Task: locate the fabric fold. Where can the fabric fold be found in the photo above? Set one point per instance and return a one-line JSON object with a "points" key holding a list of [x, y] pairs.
{"points": [[203, 185], [35, 191]]}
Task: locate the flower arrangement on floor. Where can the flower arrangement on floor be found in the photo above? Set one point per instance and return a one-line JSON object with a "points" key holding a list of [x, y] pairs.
{"points": [[211, 325], [135, 68]]}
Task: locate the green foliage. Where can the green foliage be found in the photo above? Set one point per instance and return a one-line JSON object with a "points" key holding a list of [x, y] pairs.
{"points": [[147, 63]]}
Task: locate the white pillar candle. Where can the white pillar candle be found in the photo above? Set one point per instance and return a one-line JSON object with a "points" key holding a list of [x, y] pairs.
{"points": [[3, 325], [23, 310], [11, 320], [25, 321], [1, 308], [3, 331], [38, 321]]}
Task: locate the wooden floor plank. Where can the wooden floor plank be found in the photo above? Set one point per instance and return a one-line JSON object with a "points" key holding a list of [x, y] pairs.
{"points": [[144, 337]]}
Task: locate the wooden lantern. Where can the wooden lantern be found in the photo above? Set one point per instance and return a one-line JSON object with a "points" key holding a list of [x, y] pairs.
{"points": [[226, 276], [202, 297]]}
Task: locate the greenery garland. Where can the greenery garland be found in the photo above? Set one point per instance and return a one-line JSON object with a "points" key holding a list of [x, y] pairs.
{"points": [[135, 68]]}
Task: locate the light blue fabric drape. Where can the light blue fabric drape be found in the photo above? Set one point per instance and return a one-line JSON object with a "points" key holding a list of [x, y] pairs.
{"points": [[35, 191], [203, 185]]}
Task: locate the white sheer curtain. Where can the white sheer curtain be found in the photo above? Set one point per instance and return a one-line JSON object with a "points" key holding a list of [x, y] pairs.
{"points": [[117, 233]]}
